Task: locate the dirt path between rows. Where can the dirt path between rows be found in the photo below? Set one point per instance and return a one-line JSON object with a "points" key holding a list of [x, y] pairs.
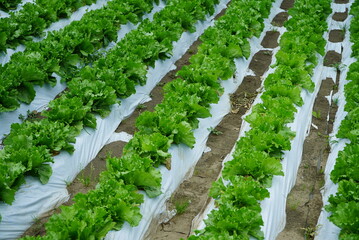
{"points": [[304, 202]]}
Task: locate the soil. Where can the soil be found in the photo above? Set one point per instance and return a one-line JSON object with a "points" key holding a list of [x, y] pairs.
{"points": [[287, 4], [270, 40], [304, 202], [332, 58], [280, 19], [336, 36], [340, 16], [341, 1], [260, 62]]}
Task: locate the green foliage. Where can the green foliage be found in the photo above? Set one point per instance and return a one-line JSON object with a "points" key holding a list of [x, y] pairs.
{"points": [[347, 164], [173, 125], [181, 206], [238, 214], [56, 136], [214, 131], [345, 216], [7, 5], [94, 214], [135, 170], [71, 111], [348, 190], [256, 164], [96, 94], [349, 127], [154, 146], [18, 159]]}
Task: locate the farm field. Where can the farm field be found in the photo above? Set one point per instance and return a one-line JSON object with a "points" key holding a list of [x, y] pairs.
{"points": [[177, 119]]}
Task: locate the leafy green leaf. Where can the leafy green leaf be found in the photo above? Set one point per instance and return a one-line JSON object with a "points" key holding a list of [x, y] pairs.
{"points": [[256, 164], [135, 170], [347, 164]]}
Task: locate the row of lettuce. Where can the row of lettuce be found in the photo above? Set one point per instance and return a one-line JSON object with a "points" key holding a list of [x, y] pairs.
{"points": [[29, 146], [344, 206], [33, 19], [116, 198], [258, 154], [66, 51]]}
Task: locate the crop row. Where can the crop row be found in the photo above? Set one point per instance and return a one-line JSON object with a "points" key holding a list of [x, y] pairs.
{"points": [[344, 206], [33, 19], [172, 121], [88, 94], [257, 156], [64, 51]]}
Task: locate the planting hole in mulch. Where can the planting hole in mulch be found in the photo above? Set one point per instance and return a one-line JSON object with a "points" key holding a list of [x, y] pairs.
{"points": [[280, 19], [336, 36], [340, 16], [287, 4], [270, 40], [332, 59], [341, 1], [260, 62]]}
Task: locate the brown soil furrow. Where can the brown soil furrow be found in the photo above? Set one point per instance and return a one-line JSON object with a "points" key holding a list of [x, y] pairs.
{"points": [[304, 203]]}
